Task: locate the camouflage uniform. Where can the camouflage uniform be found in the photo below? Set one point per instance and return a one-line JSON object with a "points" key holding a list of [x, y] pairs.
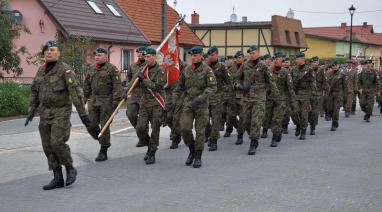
{"points": [[103, 90], [368, 82], [317, 98], [352, 77], [232, 102], [379, 98], [55, 91]]}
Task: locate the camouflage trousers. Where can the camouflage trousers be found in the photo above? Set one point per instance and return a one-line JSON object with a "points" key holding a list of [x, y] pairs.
{"points": [[334, 105], [132, 111], [274, 115], [252, 114], [213, 127], [152, 115], [314, 113], [349, 101], [366, 101], [173, 118], [99, 114], [233, 108], [301, 115], [55, 132], [200, 115]]}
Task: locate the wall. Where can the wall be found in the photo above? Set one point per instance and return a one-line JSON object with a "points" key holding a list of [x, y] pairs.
{"points": [[320, 47]]}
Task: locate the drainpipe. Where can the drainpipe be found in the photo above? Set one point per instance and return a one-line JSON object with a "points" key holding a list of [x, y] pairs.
{"points": [[108, 51]]}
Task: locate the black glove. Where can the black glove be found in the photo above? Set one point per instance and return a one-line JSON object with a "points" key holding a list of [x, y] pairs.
{"points": [[195, 102], [85, 120], [163, 118], [141, 76], [30, 115], [93, 130]]}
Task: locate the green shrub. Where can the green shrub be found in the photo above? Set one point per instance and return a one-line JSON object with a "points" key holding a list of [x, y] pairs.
{"points": [[14, 99]]}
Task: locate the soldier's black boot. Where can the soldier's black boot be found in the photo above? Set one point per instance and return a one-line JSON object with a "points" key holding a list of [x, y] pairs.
{"points": [[146, 155], [274, 141], [222, 126], [253, 146], [298, 130], [141, 143], [265, 133], [214, 145], [312, 129], [208, 141], [191, 155], [278, 137], [303, 134], [58, 180], [285, 129], [198, 159], [176, 139], [239, 139], [367, 118], [102, 155], [150, 158], [71, 175], [380, 110], [353, 109], [333, 128], [227, 133], [347, 114]]}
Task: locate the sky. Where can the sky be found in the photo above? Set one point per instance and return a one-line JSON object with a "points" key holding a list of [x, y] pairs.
{"points": [[219, 11]]}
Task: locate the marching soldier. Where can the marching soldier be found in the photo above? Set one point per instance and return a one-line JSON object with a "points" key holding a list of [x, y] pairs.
{"points": [[286, 69], [197, 82], [103, 91], [55, 88], [251, 80], [352, 77], [379, 98]]}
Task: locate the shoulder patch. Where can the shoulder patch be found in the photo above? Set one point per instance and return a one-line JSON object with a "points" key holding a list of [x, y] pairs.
{"points": [[70, 80]]}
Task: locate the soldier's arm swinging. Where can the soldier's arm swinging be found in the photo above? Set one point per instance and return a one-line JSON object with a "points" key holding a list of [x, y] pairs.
{"points": [[33, 102]]}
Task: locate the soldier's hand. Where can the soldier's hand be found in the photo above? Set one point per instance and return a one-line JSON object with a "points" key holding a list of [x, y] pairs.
{"points": [[30, 115], [195, 102], [141, 76], [163, 119], [85, 120]]}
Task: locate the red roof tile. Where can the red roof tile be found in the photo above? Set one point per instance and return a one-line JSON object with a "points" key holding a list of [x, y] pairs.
{"points": [[147, 16]]}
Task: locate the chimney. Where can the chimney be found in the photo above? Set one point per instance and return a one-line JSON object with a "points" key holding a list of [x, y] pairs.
{"points": [[194, 18], [244, 19], [364, 23], [343, 25]]}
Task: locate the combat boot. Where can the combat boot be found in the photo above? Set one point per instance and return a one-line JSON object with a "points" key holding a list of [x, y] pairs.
{"points": [[227, 134], [58, 180], [221, 127], [265, 133], [71, 175], [150, 158], [141, 143], [312, 130], [102, 155], [191, 155], [274, 141], [214, 145], [367, 118], [278, 137], [198, 159], [303, 134], [253, 146], [333, 128], [380, 110], [176, 139], [347, 114], [239, 139], [298, 130], [285, 129], [146, 155]]}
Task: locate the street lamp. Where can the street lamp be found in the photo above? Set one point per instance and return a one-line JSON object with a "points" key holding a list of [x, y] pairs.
{"points": [[351, 11]]}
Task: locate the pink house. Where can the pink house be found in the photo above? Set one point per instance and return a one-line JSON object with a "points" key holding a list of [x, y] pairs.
{"points": [[101, 20]]}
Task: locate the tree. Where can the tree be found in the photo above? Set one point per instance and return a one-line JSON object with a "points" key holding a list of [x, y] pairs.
{"points": [[9, 53]]}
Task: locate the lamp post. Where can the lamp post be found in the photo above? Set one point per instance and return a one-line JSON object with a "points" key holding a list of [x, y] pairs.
{"points": [[351, 11], [164, 19]]}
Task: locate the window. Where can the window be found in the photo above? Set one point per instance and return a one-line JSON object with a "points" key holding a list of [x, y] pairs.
{"points": [[94, 6], [297, 37], [126, 58], [113, 10], [287, 35]]}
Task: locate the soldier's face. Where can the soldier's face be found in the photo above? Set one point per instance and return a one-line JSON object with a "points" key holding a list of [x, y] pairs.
{"points": [[139, 55], [286, 64], [196, 58], [150, 59], [336, 67], [213, 57], [240, 59], [300, 60], [52, 54], [100, 58], [278, 61], [254, 55], [315, 63]]}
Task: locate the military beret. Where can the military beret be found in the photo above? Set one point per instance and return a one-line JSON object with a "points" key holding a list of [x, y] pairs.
{"points": [[239, 54], [149, 50], [212, 49], [300, 54], [266, 56], [335, 62], [252, 48], [279, 54], [315, 59], [286, 59], [196, 50], [140, 48], [100, 50], [50, 43]]}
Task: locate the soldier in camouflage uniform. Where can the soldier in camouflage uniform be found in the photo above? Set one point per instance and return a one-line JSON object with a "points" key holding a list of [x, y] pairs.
{"points": [[215, 99], [379, 98], [317, 95], [55, 88], [152, 82], [337, 86], [197, 82], [103, 91], [286, 69], [132, 107], [352, 77], [368, 85], [251, 80], [304, 82], [229, 114]]}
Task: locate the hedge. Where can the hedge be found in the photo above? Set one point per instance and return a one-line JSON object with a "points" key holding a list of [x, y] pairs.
{"points": [[14, 99]]}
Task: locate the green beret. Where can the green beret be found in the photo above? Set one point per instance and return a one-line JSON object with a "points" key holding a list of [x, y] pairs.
{"points": [[100, 50], [196, 50], [140, 48], [239, 53], [286, 59], [212, 49], [266, 56], [315, 59], [300, 54], [335, 62], [252, 48], [50, 43], [279, 54], [149, 50]]}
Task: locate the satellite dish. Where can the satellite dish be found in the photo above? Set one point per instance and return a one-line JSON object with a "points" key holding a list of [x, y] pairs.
{"points": [[17, 16]]}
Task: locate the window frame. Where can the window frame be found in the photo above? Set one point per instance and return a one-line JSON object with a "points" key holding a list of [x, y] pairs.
{"points": [[95, 7]]}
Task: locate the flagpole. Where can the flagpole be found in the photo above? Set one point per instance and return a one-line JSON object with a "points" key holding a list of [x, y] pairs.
{"points": [[130, 91]]}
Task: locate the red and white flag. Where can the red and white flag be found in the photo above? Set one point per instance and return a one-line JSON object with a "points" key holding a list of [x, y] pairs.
{"points": [[168, 57]]}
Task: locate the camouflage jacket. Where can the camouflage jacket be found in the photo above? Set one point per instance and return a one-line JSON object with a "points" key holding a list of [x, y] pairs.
{"points": [[222, 77], [131, 72], [57, 89], [368, 81], [234, 71], [285, 84], [352, 78], [304, 81], [321, 81], [103, 85], [337, 82]]}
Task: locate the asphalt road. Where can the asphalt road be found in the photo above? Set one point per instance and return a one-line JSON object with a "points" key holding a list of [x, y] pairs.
{"points": [[332, 171]]}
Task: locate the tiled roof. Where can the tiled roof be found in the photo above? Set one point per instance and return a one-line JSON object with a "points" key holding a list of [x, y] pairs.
{"points": [[147, 16], [78, 18]]}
